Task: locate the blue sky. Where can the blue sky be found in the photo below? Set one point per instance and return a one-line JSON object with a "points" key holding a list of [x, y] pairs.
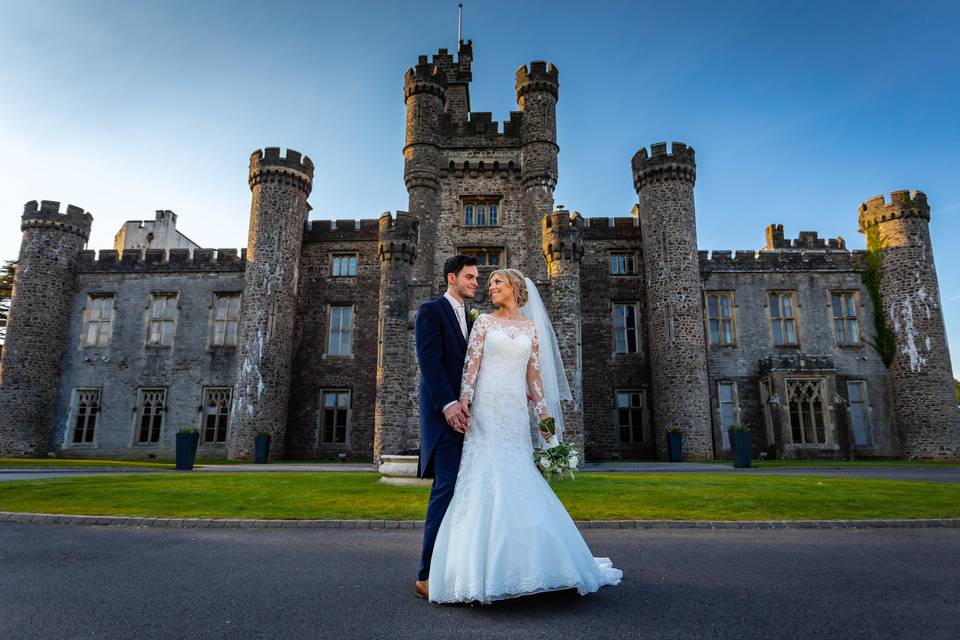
{"points": [[798, 111]]}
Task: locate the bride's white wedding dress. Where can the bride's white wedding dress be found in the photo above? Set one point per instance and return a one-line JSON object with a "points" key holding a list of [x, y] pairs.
{"points": [[505, 533]]}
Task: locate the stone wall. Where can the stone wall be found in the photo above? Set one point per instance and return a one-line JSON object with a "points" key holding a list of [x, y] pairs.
{"points": [[119, 369]]}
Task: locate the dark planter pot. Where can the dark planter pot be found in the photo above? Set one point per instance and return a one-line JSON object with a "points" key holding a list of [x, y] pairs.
{"points": [[261, 449], [675, 446], [187, 450], [742, 444]]}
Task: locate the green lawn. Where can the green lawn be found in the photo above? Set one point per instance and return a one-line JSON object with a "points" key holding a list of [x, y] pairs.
{"points": [[678, 496], [840, 464]]}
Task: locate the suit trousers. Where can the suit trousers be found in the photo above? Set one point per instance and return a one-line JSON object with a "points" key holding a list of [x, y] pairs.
{"points": [[446, 464]]}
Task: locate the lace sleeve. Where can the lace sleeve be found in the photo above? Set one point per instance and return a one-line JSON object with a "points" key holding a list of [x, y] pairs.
{"points": [[471, 366], [534, 381]]}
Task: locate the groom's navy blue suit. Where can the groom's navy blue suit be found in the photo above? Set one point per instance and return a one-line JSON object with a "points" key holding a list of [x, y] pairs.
{"points": [[441, 349]]}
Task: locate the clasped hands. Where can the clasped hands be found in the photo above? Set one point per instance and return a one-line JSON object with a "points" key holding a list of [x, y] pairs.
{"points": [[457, 416]]}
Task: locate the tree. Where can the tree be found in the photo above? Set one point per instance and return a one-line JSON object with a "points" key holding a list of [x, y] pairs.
{"points": [[6, 292], [956, 388]]}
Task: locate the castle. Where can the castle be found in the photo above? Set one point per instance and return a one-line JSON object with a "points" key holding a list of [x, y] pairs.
{"points": [[307, 332]]}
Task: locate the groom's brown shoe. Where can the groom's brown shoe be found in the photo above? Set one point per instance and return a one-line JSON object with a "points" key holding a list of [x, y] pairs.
{"points": [[422, 589]]}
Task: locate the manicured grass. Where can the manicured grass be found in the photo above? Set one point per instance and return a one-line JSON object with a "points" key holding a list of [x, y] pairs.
{"points": [[679, 496], [840, 464]]}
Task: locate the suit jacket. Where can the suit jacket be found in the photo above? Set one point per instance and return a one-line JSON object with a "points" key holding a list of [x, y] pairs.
{"points": [[441, 350]]}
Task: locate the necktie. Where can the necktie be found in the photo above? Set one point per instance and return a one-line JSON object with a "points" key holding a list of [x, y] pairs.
{"points": [[463, 320]]}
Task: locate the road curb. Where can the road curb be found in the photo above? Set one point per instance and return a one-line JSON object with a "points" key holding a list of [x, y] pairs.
{"points": [[231, 523]]}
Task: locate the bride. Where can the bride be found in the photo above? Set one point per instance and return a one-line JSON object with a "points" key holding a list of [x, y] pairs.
{"points": [[505, 533]]}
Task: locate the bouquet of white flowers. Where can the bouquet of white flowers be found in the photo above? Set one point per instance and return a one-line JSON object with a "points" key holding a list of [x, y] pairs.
{"points": [[556, 459]]}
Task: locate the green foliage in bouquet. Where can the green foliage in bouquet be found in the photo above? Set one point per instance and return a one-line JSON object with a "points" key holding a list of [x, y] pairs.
{"points": [[558, 461]]}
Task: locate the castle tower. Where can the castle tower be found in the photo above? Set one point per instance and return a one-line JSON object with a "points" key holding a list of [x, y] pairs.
{"points": [[921, 379], [280, 186], [37, 325], [538, 89], [424, 91], [562, 237], [664, 182], [397, 250]]}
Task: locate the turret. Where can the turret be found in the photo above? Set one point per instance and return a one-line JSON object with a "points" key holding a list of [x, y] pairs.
{"points": [[40, 310], [538, 89], [920, 375], [393, 420], [562, 246], [425, 92], [279, 185], [664, 182]]}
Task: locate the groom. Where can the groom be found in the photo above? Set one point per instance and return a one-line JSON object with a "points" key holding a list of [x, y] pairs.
{"points": [[442, 329]]}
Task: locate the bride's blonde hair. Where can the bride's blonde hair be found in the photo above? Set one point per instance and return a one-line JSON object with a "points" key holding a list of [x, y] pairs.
{"points": [[516, 280]]}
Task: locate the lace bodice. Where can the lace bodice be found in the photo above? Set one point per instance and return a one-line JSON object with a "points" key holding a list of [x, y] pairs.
{"points": [[505, 347]]}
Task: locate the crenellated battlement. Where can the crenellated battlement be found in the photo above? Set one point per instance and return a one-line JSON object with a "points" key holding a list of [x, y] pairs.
{"points": [[397, 237], [807, 240], [293, 168], [425, 77], [618, 228], [161, 260], [562, 233], [46, 215], [480, 124], [803, 260], [903, 204], [538, 76], [457, 70], [659, 165], [354, 230]]}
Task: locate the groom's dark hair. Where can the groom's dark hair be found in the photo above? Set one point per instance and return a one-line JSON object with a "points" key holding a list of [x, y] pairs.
{"points": [[455, 265]]}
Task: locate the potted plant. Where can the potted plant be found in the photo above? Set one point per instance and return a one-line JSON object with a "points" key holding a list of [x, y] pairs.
{"points": [[187, 440], [261, 447], [741, 442], [675, 444]]}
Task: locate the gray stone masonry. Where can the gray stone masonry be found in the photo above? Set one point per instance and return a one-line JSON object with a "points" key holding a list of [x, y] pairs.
{"points": [[397, 251], [664, 182], [562, 237], [920, 377], [279, 188], [37, 325]]}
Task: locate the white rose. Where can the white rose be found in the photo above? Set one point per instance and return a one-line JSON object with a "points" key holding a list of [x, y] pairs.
{"points": [[574, 461], [544, 463]]}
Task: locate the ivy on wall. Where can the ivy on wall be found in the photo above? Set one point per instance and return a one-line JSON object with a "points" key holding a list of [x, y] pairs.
{"points": [[885, 341]]}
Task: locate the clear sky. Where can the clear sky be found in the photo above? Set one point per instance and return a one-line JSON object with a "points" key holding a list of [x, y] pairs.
{"points": [[798, 110]]}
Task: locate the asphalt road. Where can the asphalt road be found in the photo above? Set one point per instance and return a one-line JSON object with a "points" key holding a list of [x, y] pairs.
{"points": [[65, 582]]}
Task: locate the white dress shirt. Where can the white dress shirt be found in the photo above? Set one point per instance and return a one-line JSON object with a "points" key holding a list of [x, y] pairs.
{"points": [[461, 313]]}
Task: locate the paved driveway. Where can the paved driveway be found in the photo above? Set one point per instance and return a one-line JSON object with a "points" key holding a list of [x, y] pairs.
{"points": [[123, 582]]}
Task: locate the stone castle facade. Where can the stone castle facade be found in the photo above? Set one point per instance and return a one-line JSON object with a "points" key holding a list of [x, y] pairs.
{"points": [[307, 333]]}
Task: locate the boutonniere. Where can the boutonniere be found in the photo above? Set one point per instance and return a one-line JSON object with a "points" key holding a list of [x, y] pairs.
{"points": [[472, 315]]}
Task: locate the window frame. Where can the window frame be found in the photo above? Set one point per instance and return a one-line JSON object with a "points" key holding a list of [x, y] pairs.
{"points": [[824, 413], [731, 319], [473, 202], [87, 311], [636, 327], [164, 320], [482, 255], [735, 414], [73, 415], [226, 321], [322, 418], [352, 260], [138, 416], [340, 331], [630, 263], [204, 413], [844, 319], [633, 410], [794, 318]]}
